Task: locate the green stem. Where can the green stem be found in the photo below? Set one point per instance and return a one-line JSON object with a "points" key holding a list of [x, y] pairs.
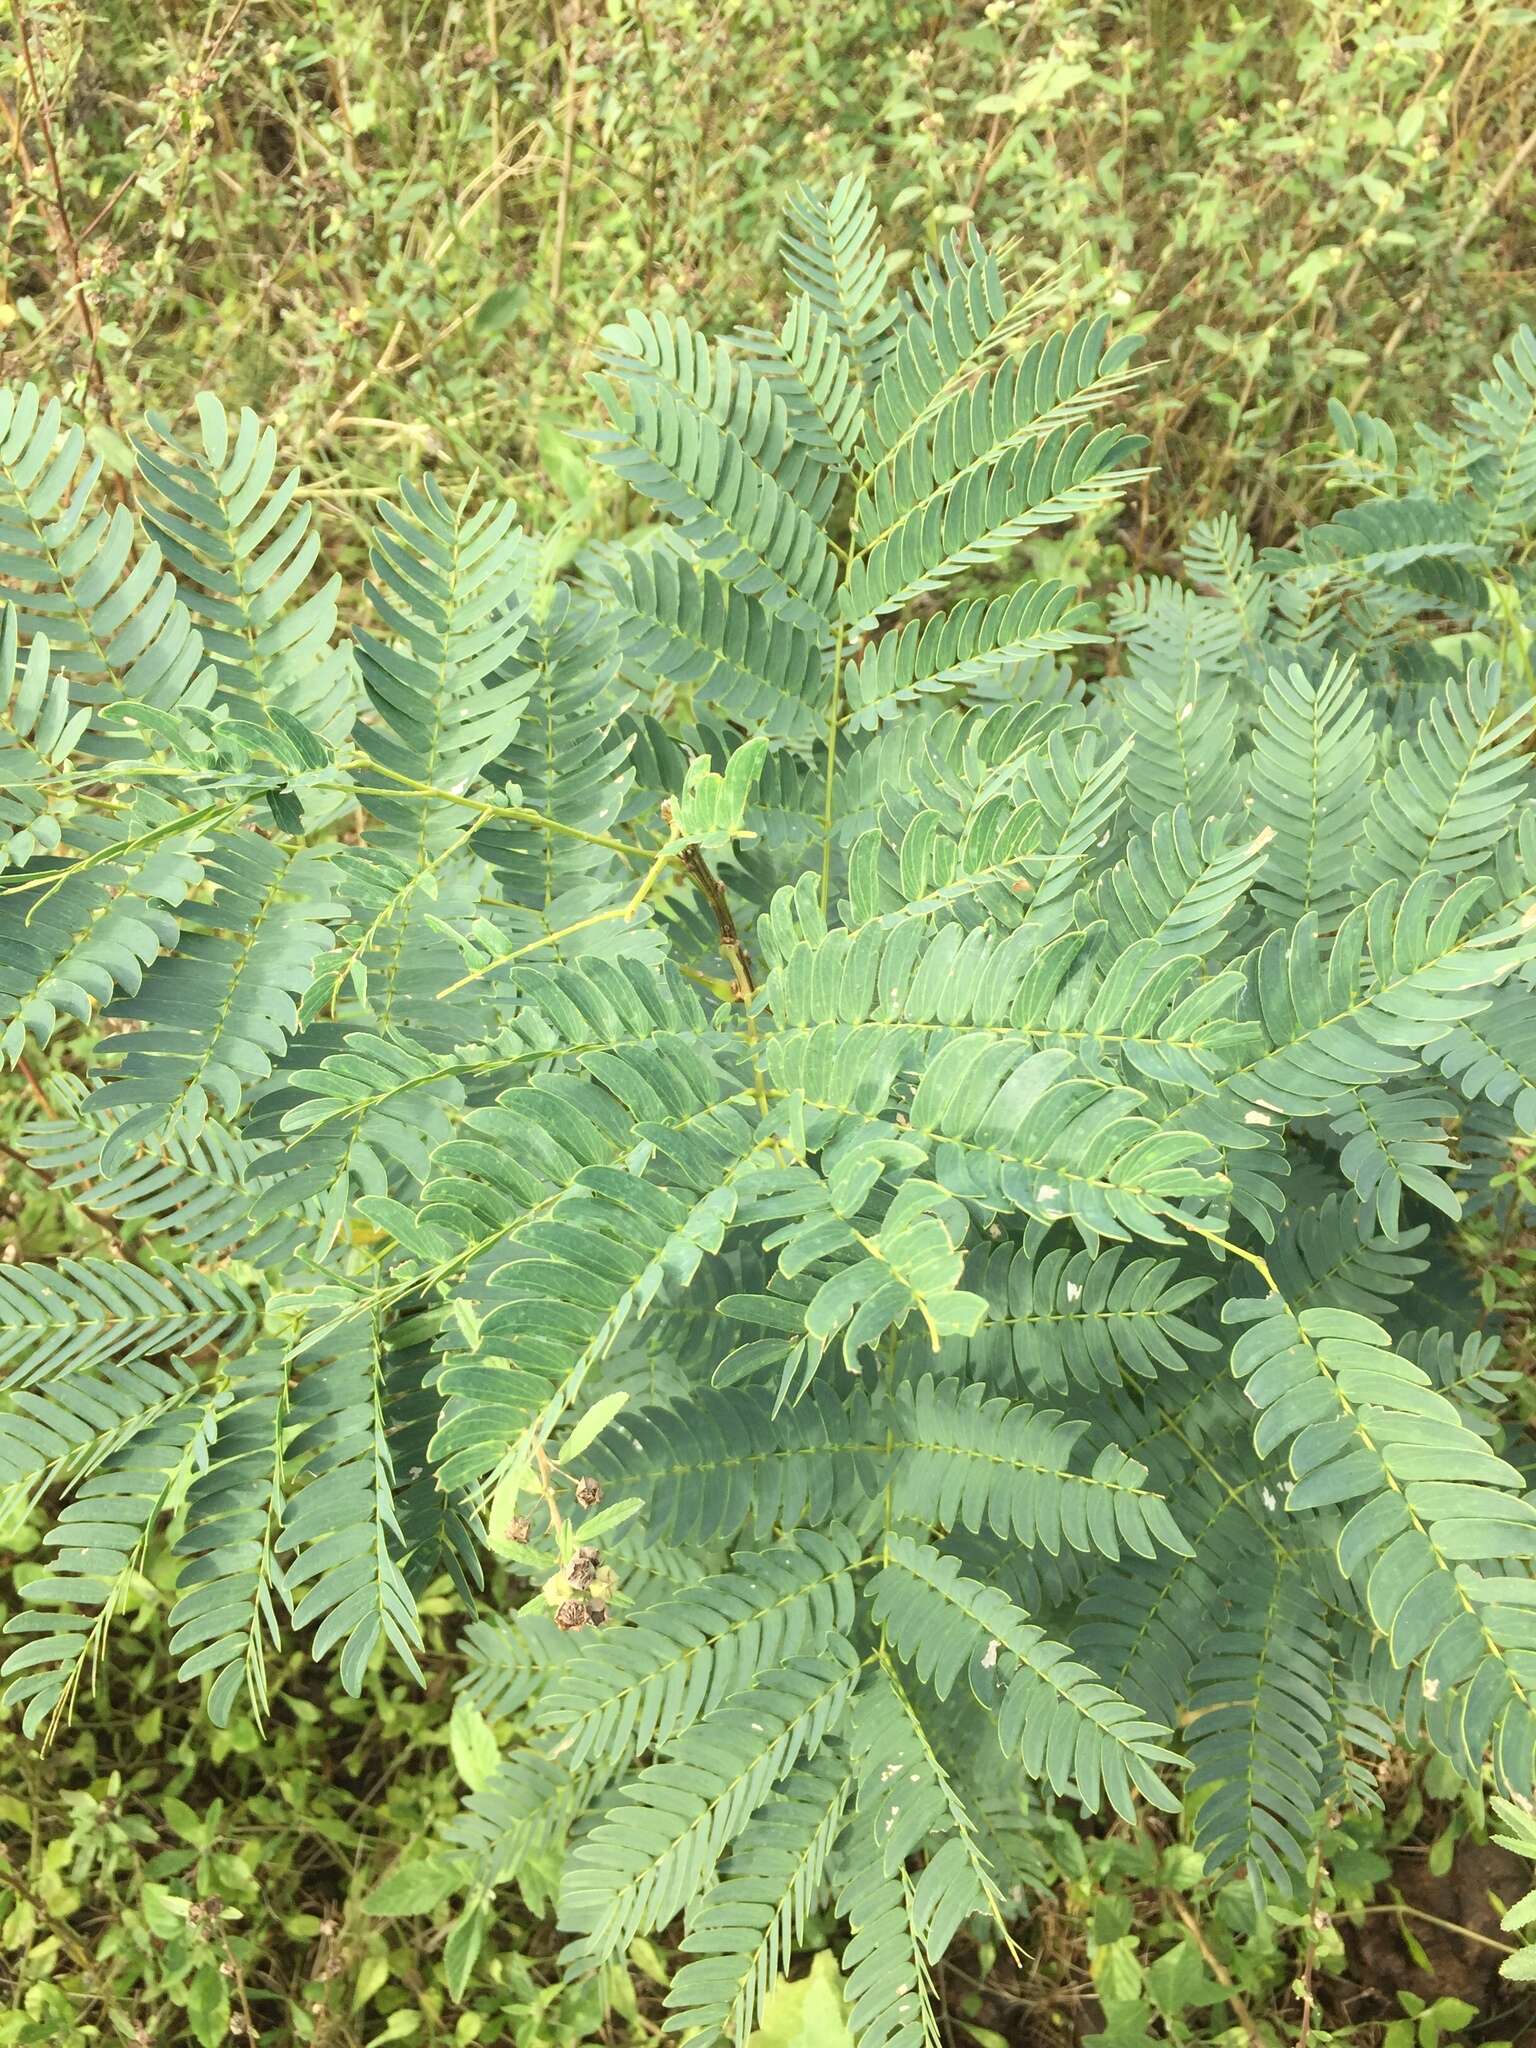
{"points": [[521, 812]]}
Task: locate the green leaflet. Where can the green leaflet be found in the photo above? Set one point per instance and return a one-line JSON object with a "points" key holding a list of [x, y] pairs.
{"points": [[116, 626], [59, 1320], [1310, 770], [218, 1011], [644, 1683], [1263, 1723], [38, 734], [1072, 1317], [86, 930], [982, 1463], [757, 1910], [242, 551], [670, 1823], [1061, 1722]]}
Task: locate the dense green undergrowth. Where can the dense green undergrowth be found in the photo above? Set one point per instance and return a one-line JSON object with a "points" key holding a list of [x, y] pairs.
{"points": [[283, 1844], [366, 218]]}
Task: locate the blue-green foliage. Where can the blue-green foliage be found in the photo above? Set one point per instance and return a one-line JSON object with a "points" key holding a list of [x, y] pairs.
{"points": [[907, 1206]]}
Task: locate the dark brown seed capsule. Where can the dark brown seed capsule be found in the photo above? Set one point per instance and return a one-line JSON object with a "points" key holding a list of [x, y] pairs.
{"points": [[588, 1493], [580, 1572], [571, 1614], [597, 1614], [519, 1529]]}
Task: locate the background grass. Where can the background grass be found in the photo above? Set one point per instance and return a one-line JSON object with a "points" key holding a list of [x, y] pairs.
{"points": [[395, 227]]}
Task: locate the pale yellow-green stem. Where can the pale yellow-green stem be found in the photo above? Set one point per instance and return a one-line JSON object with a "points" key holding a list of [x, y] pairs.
{"points": [[833, 716]]}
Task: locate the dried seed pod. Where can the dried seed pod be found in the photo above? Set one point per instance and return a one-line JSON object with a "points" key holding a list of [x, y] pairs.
{"points": [[572, 1614], [581, 1571], [519, 1529], [588, 1493], [597, 1614]]}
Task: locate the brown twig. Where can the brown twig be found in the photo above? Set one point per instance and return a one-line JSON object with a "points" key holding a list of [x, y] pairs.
{"points": [[65, 234], [232, 1973], [567, 160], [1216, 1966], [1309, 1963], [33, 1089], [65, 1935], [1401, 1908], [1475, 219], [102, 1223], [693, 862]]}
